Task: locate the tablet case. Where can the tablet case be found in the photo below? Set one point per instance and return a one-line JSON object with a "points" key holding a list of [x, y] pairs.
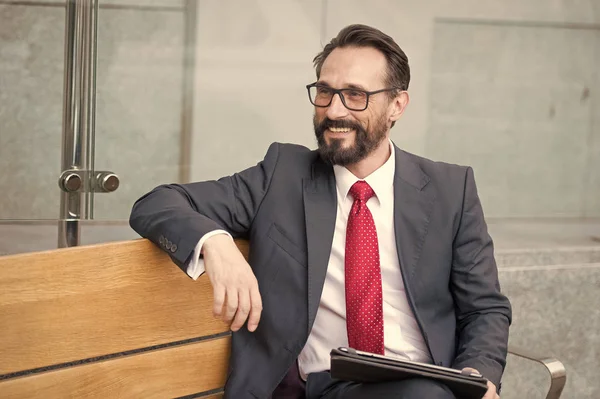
{"points": [[350, 365]]}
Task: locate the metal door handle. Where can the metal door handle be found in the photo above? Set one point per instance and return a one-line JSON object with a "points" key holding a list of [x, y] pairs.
{"points": [[106, 182], [70, 181]]}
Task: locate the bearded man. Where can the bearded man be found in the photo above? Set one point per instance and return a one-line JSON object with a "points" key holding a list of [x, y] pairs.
{"points": [[356, 244]]}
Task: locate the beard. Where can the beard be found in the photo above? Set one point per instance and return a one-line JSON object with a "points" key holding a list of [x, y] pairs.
{"points": [[365, 141]]}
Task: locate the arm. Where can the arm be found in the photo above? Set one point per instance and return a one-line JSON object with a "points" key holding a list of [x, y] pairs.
{"points": [[483, 313], [184, 213]]}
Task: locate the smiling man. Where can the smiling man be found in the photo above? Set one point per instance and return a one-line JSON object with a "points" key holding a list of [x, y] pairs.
{"points": [[357, 244], [352, 126]]}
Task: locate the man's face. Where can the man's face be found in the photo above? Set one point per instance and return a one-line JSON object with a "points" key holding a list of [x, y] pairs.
{"points": [[344, 136]]}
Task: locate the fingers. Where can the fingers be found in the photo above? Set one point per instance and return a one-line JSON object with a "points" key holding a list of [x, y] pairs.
{"points": [[256, 308], [239, 305], [242, 311], [219, 294], [248, 306], [231, 305], [491, 392], [235, 288]]}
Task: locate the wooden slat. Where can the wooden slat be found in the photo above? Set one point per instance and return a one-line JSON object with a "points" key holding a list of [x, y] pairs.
{"points": [[170, 372], [244, 247], [77, 303]]}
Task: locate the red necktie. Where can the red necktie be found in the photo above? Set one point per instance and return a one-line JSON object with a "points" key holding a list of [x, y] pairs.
{"points": [[364, 299]]}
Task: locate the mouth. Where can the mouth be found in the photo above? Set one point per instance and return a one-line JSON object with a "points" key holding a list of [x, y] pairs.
{"points": [[339, 131]]}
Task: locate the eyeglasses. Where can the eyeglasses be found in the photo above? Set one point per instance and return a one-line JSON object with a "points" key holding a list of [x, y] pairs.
{"points": [[353, 99]]}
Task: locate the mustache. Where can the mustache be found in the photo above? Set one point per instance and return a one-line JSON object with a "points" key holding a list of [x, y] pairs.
{"points": [[340, 124]]}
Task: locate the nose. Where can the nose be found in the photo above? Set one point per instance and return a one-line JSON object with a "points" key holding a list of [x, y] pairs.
{"points": [[336, 109]]}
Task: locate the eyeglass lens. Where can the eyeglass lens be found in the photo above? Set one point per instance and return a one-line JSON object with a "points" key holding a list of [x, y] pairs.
{"points": [[321, 96]]}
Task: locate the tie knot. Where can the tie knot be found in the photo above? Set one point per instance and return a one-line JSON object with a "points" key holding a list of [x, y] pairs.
{"points": [[361, 191]]}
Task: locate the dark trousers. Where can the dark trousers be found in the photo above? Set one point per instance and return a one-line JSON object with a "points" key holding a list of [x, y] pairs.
{"points": [[322, 386]]}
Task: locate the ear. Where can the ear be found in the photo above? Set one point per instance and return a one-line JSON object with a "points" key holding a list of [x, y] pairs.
{"points": [[397, 106]]}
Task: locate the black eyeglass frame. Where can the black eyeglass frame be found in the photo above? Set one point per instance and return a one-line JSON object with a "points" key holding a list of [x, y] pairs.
{"points": [[340, 93]]}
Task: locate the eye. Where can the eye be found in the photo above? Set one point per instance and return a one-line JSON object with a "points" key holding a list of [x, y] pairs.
{"points": [[355, 93]]}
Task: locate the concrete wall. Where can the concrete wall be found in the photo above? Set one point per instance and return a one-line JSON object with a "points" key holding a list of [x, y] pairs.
{"points": [[556, 312], [507, 87]]}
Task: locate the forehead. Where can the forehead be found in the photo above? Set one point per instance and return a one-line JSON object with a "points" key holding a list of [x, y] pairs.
{"points": [[363, 66]]}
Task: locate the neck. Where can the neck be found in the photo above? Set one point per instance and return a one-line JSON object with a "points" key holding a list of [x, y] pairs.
{"points": [[372, 162]]}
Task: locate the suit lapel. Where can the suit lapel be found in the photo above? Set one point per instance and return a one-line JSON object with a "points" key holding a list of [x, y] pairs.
{"points": [[320, 207], [413, 204]]}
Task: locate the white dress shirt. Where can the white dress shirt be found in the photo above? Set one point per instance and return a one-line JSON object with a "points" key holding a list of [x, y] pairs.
{"points": [[196, 266], [402, 337]]}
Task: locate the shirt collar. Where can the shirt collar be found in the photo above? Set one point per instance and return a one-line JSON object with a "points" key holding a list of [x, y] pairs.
{"points": [[380, 180]]}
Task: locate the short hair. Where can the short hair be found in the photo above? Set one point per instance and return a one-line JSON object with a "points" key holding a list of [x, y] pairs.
{"points": [[398, 73]]}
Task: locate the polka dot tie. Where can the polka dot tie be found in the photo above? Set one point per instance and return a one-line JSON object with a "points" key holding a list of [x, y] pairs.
{"points": [[364, 302]]}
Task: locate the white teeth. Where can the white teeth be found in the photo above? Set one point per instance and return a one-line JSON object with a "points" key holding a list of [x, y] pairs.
{"points": [[339, 129]]}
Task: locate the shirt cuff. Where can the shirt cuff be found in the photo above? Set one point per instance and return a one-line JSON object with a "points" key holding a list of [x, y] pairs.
{"points": [[196, 266]]}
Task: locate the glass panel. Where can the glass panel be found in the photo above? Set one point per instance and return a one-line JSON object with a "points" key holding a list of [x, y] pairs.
{"points": [[140, 91], [153, 111], [31, 88], [592, 204], [252, 69]]}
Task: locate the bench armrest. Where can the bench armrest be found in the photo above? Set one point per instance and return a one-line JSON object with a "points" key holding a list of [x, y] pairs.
{"points": [[558, 372]]}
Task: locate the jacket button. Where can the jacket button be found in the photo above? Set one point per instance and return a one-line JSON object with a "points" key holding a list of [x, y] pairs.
{"points": [[168, 244], [173, 247], [161, 240]]}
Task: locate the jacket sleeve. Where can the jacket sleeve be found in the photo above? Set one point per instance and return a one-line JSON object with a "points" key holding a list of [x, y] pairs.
{"points": [[182, 213], [483, 312]]}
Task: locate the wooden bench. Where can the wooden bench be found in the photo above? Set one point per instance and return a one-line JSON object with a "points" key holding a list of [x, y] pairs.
{"points": [[110, 320], [116, 320]]}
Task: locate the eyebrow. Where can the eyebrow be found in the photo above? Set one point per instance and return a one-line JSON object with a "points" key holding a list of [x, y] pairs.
{"points": [[356, 86], [348, 86]]}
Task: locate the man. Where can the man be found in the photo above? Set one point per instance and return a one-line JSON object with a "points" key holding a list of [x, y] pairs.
{"points": [[355, 244]]}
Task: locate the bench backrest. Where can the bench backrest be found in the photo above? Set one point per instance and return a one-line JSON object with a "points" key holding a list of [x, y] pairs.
{"points": [[109, 320]]}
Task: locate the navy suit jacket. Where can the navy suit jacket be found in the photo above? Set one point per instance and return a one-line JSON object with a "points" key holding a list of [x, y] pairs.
{"points": [[286, 206]]}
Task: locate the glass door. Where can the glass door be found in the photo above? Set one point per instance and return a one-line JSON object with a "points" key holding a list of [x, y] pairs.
{"points": [[31, 106], [93, 100], [144, 92]]}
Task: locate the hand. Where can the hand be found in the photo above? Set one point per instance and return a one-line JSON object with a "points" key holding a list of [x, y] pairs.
{"points": [[235, 286], [491, 392]]}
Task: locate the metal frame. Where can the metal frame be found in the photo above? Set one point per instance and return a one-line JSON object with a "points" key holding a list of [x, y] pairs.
{"points": [[556, 369], [81, 17], [79, 180]]}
